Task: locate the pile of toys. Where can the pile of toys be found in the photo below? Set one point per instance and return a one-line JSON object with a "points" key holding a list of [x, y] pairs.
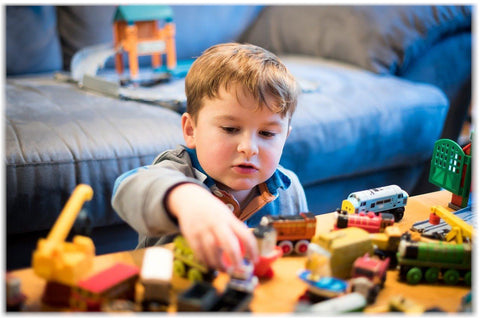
{"points": [[345, 268]]}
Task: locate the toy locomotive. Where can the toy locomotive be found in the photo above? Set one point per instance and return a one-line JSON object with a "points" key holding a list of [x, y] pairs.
{"points": [[384, 199]]}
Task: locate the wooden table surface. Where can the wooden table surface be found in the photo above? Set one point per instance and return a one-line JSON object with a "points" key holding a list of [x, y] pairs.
{"points": [[280, 294]]}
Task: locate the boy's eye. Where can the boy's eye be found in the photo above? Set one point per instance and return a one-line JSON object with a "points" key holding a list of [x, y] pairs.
{"points": [[230, 129], [267, 134]]}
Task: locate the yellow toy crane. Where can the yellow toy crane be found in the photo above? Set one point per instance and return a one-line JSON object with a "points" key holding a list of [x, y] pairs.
{"points": [[459, 228], [61, 261]]}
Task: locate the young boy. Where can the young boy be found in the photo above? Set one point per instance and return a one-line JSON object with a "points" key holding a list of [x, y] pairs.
{"points": [[240, 100]]}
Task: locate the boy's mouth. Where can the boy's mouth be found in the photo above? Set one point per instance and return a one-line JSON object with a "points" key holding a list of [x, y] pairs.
{"points": [[246, 168]]}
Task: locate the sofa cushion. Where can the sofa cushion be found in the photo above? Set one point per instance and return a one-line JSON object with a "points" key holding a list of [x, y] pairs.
{"points": [[82, 26], [58, 136], [358, 122], [382, 39], [32, 40]]}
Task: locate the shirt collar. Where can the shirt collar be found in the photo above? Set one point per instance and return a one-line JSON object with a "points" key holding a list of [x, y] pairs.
{"points": [[276, 181]]}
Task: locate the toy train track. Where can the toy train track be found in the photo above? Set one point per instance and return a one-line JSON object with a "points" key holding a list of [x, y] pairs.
{"points": [[439, 231]]}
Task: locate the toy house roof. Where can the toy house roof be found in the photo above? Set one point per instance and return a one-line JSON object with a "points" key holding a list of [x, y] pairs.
{"points": [[132, 14]]}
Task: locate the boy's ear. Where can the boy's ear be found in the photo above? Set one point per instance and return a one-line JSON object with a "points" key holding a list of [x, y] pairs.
{"points": [[188, 127]]}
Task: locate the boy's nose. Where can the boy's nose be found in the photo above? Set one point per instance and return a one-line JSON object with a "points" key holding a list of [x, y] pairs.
{"points": [[248, 146]]}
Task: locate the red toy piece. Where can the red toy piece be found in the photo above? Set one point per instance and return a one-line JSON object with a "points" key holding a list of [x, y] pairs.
{"points": [[269, 251], [116, 282], [373, 222]]}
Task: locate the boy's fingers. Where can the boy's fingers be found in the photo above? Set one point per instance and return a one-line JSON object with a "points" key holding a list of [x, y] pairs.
{"points": [[230, 246], [211, 250], [248, 241]]}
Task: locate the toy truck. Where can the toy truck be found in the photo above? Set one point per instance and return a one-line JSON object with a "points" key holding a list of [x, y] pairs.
{"points": [[344, 245], [56, 260], [293, 232]]}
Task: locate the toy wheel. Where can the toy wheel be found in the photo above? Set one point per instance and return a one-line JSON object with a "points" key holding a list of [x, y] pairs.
{"points": [[431, 275], [179, 268], [451, 277], [301, 246], [414, 275], [195, 275], [467, 278], [286, 246], [398, 214]]}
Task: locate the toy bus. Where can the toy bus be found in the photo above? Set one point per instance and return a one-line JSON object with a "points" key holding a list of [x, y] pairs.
{"points": [[293, 232], [116, 282], [372, 222], [156, 277], [384, 199], [432, 260]]}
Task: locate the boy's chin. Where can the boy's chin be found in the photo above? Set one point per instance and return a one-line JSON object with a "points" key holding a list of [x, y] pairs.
{"points": [[238, 186]]}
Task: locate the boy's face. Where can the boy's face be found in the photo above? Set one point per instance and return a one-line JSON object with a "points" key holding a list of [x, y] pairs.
{"points": [[237, 144]]}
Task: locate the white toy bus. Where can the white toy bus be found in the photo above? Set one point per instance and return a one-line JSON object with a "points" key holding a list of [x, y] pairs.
{"points": [[384, 199]]}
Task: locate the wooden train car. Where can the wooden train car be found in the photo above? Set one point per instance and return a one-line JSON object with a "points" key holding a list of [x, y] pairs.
{"points": [[293, 232], [434, 260], [373, 222], [156, 278], [116, 282], [384, 199]]}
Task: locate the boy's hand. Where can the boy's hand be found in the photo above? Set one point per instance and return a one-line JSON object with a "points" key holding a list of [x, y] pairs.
{"points": [[210, 227]]}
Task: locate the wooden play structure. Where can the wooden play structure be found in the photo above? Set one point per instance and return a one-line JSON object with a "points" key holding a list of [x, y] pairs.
{"points": [[137, 31]]}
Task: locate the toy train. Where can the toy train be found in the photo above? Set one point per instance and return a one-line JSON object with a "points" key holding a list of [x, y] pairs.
{"points": [[432, 260], [293, 232], [384, 199], [372, 222]]}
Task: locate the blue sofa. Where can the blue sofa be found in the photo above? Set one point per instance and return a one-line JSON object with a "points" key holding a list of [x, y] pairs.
{"points": [[380, 84]]}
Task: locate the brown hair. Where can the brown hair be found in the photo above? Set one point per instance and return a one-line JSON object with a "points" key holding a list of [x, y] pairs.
{"points": [[259, 71]]}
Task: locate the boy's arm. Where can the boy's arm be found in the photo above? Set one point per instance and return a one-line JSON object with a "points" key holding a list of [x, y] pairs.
{"points": [[139, 195], [147, 198]]}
